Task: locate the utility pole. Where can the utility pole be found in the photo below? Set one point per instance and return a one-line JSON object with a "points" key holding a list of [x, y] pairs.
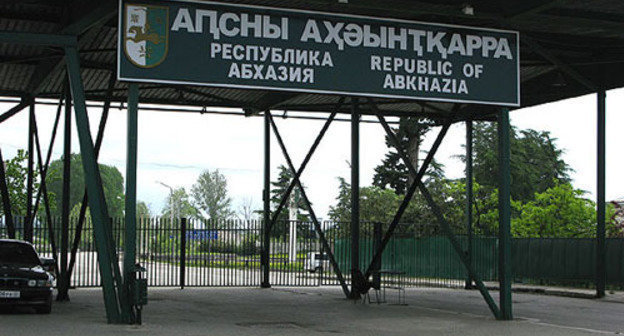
{"points": [[171, 202], [292, 216]]}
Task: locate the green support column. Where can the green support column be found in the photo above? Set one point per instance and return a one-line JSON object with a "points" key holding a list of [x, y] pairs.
{"points": [[504, 210], [99, 213], [130, 210], [266, 198], [63, 281], [30, 216], [355, 195], [601, 249], [469, 197]]}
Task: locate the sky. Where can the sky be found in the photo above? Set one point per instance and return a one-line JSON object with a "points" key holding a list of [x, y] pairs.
{"points": [[174, 148]]}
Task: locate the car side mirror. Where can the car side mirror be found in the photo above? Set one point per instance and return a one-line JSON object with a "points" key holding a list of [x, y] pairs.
{"points": [[47, 263]]}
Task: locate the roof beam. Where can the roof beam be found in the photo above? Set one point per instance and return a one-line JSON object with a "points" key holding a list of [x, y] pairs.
{"points": [[535, 8], [91, 21], [546, 54], [269, 100], [206, 95], [585, 14], [14, 110], [98, 15], [58, 40]]}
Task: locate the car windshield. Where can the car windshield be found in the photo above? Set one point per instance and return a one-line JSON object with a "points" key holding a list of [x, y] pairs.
{"points": [[18, 253]]}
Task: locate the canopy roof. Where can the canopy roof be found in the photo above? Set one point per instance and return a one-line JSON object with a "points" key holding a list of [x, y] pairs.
{"points": [[568, 48]]}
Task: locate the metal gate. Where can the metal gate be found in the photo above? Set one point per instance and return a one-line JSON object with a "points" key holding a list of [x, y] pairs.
{"points": [[194, 252]]}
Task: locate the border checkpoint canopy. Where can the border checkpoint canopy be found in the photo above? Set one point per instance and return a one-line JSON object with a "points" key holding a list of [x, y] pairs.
{"points": [[567, 48]]}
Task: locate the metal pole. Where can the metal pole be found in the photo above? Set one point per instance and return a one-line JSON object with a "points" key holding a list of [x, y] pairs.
{"points": [[130, 204], [355, 196], [266, 197], [43, 189], [469, 197], [107, 257], [85, 198], [6, 200], [377, 235], [63, 289], [504, 228], [601, 250], [183, 231], [28, 225], [292, 232]]}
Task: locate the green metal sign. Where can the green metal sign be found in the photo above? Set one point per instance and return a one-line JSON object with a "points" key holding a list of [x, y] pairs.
{"points": [[252, 47]]}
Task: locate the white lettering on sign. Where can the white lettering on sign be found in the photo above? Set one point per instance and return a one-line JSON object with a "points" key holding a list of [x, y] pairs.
{"points": [[230, 24], [254, 53], [239, 46], [280, 73], [425, 84], [342, 34]]}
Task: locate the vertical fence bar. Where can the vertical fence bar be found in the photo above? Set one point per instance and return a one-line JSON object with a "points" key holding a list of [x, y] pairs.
{"points": [[504, 234], [601, 250], [182, 253], [469, 198], [266, 197]]}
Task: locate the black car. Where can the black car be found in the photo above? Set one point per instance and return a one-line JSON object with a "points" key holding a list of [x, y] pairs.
{"points": [[24, 280]]}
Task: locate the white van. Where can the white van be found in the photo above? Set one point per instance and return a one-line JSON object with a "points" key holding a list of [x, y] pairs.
{"points": [[316, 262]]}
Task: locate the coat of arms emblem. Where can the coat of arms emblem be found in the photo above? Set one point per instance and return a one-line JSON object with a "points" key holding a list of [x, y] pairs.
{"points": [[146, 35]]}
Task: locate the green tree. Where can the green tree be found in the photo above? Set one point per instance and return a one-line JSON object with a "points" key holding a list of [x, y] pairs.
{"points": [[379, 205], [278, 190], [484, 207], [143, 210], [87, 242], [559, 211], [393, 173], [536, 162], [210, 195], [16, 170], [112, 183], [179, 205], [341, 211], [376, 204]]}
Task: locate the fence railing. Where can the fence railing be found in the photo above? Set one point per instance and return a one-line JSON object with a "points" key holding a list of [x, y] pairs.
{"points": [[194, 252]]}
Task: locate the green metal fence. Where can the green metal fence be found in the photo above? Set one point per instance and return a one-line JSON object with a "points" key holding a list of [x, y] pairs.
{"points": [[554, 261], [226, 253], [427, 261], [566, 261]]}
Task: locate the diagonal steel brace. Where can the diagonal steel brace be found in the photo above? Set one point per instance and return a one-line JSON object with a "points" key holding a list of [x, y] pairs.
{"points": [[317, 226], [410, 192], [444, 224], [307, 158]]}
